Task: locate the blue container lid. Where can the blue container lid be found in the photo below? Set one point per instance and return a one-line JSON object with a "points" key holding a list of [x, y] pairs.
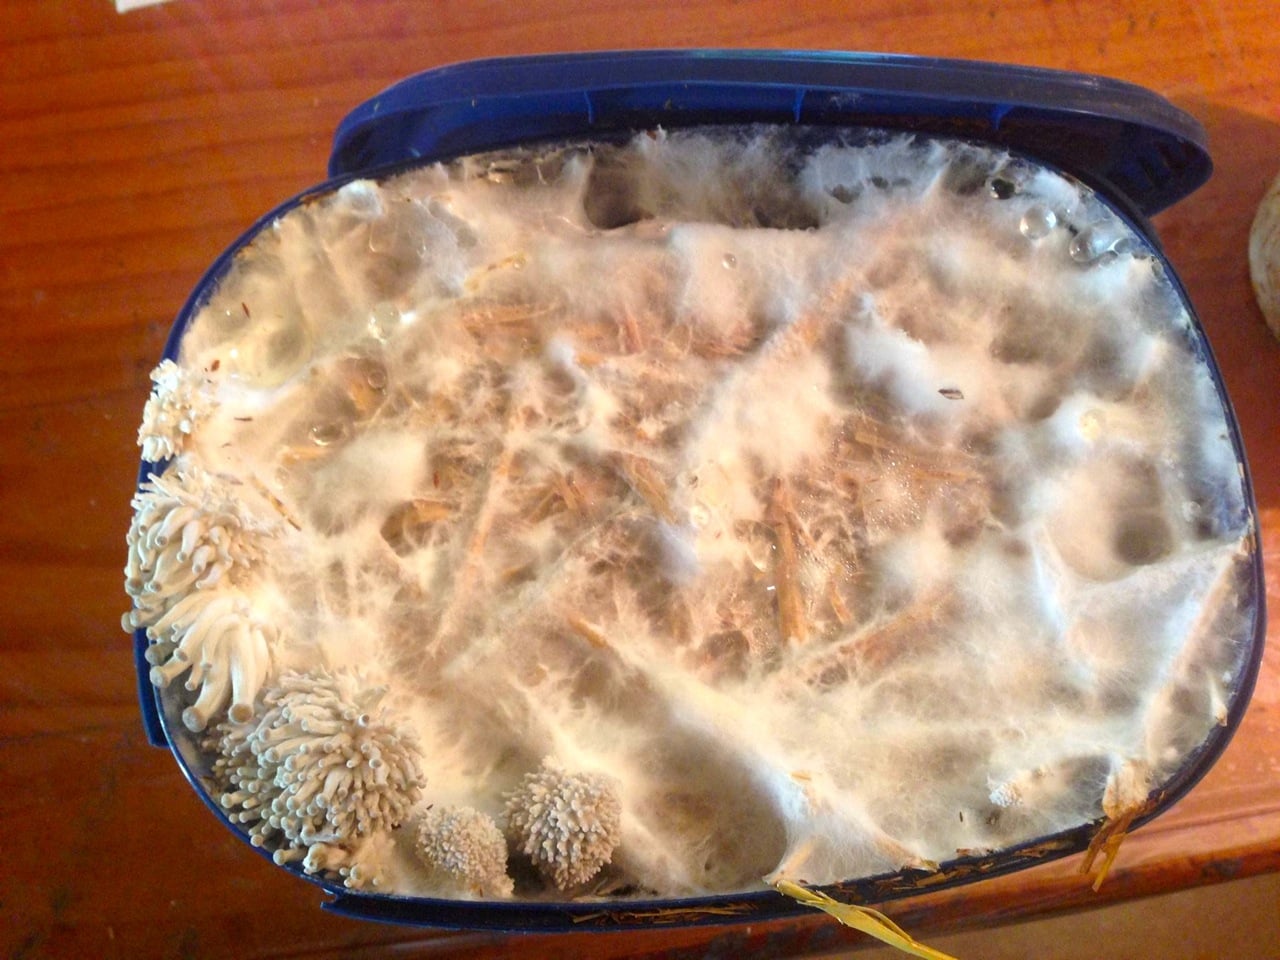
{"points": [[1121, 139]]}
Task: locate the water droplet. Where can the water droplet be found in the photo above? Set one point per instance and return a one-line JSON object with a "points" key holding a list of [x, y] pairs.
{"points": [[1093, 244], [375, 374], [1002, 188], [382, 235], [730, 261], [230, 320], [383, 320], [273, 350], [326, 434], [1086, 246], [1091, 423], [1038, 222], [761, 562], [287, 347]]}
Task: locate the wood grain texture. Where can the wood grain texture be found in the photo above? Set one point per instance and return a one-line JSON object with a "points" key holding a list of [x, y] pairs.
{"points": [[134, 147]]}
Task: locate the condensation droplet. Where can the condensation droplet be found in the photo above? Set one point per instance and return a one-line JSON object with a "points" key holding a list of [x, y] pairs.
{"points": [[375, 374], [1001, 188], [228, 321], [1091, 423], [699, 515], [1038, 222], [273, 350], [1085, 247], [326, 434], [383, 320], [730, 261], [1093, 244], [760, 562], [382, 235]]}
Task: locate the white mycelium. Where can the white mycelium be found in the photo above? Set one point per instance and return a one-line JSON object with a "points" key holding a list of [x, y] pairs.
{"points": [[849, 500], [318, 771]]}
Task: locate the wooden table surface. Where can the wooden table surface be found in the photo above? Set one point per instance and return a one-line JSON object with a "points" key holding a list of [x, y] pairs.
{"points": [[134, 147]]}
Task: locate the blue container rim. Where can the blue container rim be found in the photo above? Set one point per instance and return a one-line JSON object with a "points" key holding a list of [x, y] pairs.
{"points": [[1115, 136]]}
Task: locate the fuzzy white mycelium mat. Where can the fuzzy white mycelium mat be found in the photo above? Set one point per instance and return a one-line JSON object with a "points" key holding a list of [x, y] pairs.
{"points": [[688, 513]]}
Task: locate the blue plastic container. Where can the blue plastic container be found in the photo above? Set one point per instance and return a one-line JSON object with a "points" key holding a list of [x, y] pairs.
{"points": [[1135, 149]]}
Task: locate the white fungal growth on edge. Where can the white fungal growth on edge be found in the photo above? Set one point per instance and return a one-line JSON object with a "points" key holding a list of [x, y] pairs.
{"points": [[190, 532], [223, 642], [362, 865], [318, 771], [567, 823], [191, 547], [467, 846], [179, 399]]}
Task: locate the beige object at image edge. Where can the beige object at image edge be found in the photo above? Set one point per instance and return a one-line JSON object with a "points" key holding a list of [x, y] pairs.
{"points": [[1264, 256]]}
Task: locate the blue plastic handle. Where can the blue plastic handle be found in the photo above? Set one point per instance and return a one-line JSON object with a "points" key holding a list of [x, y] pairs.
{"points": [[1120, 138]]}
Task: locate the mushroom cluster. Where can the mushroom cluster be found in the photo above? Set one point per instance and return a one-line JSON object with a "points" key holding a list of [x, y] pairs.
{"points": [[193, 544], [190, 531], [317, 771], [226, 646]]}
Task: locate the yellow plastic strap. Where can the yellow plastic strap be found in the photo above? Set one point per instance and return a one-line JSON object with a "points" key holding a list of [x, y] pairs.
{"points": [[863, 919]]}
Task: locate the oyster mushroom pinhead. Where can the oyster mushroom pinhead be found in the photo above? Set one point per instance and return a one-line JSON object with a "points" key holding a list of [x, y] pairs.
{"points": [[567, 823], [179, 400], [466, 846], [1264, 256]]}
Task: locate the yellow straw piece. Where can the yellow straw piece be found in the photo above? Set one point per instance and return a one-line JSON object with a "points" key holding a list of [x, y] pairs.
{"points": [[863, 919], [1107, 842]]}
